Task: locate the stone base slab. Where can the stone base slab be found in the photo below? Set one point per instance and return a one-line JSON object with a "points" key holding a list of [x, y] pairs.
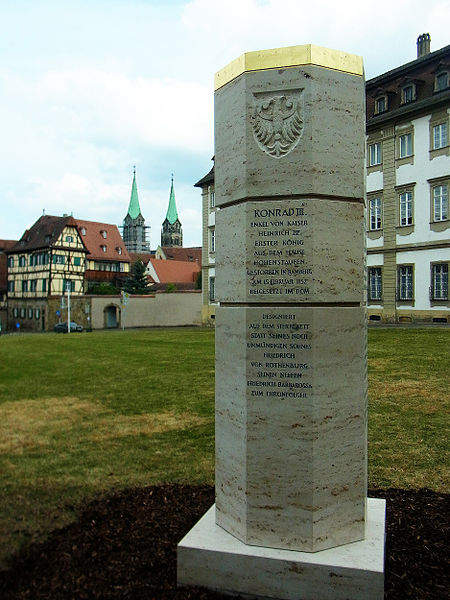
{"points": [[210, 557]]}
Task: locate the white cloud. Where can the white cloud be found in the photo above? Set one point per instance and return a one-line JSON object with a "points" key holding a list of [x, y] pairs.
{"points": [[93, 104], [94, 87], [230, 28]]}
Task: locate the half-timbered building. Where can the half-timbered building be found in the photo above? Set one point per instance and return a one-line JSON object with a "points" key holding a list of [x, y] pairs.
{"points": [[48, 261]]}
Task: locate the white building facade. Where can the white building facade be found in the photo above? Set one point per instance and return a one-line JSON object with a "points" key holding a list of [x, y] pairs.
{"points": [[407, 185], [407, 188]]}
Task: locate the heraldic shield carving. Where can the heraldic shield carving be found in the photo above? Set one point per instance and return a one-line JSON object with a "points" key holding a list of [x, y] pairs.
{"points": [[277, 121]]}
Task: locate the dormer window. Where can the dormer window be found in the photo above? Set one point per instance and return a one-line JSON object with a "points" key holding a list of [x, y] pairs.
{"points": [[119, 250], [408, 93], [83, 231], [104, 234], [441, 81], [103, 248], [381, 105]]}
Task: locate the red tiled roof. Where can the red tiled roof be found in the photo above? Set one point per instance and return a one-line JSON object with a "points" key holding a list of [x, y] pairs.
{"points": [[92, 235], [43, 234], [184, 254], [144, 256], [175, 271], [6, 244]]}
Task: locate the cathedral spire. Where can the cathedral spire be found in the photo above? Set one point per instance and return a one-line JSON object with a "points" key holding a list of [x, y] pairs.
{"points": [[134, 209], [171, 233], [172, 214], [134, 230]]}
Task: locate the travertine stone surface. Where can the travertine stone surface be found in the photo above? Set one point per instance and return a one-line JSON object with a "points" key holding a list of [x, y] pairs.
{"points": [[291, 420], [319, 114], [291, 250], [291, 351], [210, 557]]}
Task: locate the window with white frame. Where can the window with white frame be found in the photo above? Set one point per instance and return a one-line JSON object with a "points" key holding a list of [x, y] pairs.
{"points": [[30, 313], [405, 209], [375, 154], [439, 284], [103, 248], [374, 214], [440, 136], [37, 313], [16, 313], [212, 240], [11, 261], [405, 145], [212, 291], [375, 283], [440, 202], [24, 286], [69, 238], [22, 313], [44, 285], [33, 285], [21, 261], [212, 197], [405, 282], [59, 259], [104, 234], [10, 286]]}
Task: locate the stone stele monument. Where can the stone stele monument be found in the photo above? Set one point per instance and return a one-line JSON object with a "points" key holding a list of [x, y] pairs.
{"points": [[291, 519]]}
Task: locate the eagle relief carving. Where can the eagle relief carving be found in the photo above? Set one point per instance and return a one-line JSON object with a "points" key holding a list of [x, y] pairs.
{"points": [[277, 121]]}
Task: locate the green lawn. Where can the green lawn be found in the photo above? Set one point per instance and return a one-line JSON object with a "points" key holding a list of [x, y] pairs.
{"points": [[84, 414]]}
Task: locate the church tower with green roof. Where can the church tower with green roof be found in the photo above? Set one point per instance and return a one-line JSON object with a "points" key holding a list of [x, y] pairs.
{"points": [[171, 232], [134, 230]]}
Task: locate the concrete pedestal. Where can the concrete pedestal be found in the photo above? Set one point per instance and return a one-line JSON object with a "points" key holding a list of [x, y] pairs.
{"points": [[210, 557]]}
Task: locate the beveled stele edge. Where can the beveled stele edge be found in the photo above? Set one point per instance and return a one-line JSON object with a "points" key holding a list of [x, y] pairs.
{"points": [[291, 56], [210, 557]]}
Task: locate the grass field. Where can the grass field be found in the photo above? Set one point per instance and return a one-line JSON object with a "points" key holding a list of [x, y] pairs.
{"points": [[83, 414]]}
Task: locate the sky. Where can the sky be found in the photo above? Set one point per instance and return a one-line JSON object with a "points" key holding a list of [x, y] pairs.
{"points": [[90, 88]]}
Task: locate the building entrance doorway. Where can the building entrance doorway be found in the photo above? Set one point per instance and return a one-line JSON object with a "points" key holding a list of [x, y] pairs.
{"points": [[111, 320]]}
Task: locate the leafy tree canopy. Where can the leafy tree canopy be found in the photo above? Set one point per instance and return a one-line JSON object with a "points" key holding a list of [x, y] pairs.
{"points": [[103, 288]]}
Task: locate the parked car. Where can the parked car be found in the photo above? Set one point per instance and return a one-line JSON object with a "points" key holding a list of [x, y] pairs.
{"points": [[62, 327]]}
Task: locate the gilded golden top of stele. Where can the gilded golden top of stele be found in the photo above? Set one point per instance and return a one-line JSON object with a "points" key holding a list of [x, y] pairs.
{"points": [[291, 56]]}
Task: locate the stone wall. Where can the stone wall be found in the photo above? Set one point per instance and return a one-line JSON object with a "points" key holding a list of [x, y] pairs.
{"points": [[103, 312], [158, 310]]}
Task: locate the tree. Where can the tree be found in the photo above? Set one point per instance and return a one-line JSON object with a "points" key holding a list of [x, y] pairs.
{"points": [[137, 282], [103, 288]]}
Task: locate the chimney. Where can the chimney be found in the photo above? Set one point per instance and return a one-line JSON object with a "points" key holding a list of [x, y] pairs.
{"points": [[423, 45]]}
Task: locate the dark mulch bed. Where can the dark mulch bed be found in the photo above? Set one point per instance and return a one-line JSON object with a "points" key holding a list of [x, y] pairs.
{"points": [[124, 546]]}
